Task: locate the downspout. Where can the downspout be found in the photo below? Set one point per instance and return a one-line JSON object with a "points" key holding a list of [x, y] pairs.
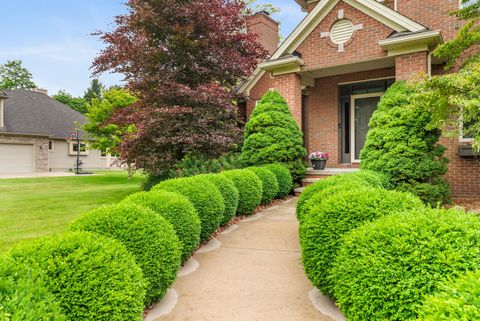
{"points": [[395, 5]]}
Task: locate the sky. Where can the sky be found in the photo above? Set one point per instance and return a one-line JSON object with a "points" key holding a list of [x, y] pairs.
{"points": [[53, 38]]}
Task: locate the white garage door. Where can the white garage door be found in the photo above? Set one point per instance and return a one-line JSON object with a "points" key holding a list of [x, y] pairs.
{"points": [[16, 158]]}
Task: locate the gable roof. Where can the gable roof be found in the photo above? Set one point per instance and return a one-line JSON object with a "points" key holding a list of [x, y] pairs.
{"points": [[35, 113], [374, 9]]}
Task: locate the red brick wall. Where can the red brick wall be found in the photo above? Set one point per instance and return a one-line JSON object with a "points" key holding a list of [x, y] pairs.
{"points": [[410, 65], [323, 110], [434, 14], [320, 52], [266, 29], [463, 173]]}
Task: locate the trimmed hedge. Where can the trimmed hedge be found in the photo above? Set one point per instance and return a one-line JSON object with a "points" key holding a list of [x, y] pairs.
{"points": [[385, 268], [401, 144], [92, 277], [458, 300], [178, 210], [363, 178], [324, 225], [269, 183], [249, 188], [205, 197], [23, 297], [147, 235], [284, 178], [229, 193]]}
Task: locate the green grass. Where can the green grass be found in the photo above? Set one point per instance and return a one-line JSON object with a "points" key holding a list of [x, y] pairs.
{"points": [[33, 207]]}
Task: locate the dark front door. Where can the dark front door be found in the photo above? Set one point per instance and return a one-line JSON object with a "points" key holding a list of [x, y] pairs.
{"points": [[363, 109]]}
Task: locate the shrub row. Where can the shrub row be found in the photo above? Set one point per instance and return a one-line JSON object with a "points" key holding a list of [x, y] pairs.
{"points": [[384, 256], [117, 259]]}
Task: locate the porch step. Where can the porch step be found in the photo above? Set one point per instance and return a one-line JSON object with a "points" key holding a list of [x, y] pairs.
{"points": [[298, 191], [316, 175]]}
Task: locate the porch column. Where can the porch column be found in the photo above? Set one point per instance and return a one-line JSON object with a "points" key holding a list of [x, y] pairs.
{"points": [[410, 65], [290, 87]]}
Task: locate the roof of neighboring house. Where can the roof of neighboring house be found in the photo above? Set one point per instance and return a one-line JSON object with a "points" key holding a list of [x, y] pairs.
{"points": [[36, 113]]}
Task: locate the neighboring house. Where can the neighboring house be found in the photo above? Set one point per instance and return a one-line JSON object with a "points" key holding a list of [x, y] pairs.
{"points": [[341, 58], [33, 135]]}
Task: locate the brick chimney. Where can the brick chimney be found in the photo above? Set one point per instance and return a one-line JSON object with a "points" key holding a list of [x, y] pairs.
{"points": [[266, 28]]}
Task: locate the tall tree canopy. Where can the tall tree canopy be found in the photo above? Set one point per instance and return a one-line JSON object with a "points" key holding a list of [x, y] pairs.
{"points": [[182, 59], [76, 103], [94, 91], [13, 76]]}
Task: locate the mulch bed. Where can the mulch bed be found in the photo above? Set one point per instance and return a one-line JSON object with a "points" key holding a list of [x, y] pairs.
{"points": [[468, 203]]}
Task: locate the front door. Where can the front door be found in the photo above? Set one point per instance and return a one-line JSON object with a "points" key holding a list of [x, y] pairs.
{"points": [[362, 109]]}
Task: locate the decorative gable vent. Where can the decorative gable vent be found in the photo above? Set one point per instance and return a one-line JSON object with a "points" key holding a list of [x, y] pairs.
{"points": [[341, 31]]}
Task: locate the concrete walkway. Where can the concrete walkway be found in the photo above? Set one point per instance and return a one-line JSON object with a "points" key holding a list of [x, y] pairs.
{"points": [[250, 272], [35, 175]]}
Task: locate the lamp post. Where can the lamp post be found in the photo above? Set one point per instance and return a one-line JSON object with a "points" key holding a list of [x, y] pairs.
{"points": [[73, 135]]}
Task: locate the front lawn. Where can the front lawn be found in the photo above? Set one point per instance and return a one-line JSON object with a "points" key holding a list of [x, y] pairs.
{"points": [[33, 207]]}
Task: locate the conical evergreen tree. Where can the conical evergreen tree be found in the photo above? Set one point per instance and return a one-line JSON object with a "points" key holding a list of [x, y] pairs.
{"points": [[273, 136]]}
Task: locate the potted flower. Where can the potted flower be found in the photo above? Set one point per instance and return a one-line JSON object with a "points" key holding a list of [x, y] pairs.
{"points": [[319, 160]]}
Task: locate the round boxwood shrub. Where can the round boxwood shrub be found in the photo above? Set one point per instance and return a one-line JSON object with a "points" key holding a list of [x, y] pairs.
{"points": [[284, 178], [269, 183], [324, 225], [23, 296], [274, 136], [361, 178], [458, 300], [229, 193], [205, 197], [249, 188], [147, 235], [92, 277], [178, 210], [385, 268]]}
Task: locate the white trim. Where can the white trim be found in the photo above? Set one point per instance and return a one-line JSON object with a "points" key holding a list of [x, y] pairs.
{"points": [[365, 80], [427, 35], [352, 122], [287, 61]]}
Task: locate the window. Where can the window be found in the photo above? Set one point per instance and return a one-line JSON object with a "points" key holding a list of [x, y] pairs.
{"points": [[103, 153], [74, 148], [465, 138], [51, 145]]}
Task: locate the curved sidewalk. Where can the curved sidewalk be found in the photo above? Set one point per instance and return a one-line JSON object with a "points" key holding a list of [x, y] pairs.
{"points": [[250, 272]]}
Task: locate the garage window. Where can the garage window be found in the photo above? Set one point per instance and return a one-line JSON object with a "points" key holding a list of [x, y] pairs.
{"points": [[73, 148], [51, 145]]}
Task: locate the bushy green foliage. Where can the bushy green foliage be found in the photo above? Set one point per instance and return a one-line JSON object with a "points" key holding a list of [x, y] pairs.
{"points": [[193, 164], [147, 235], [400, 145], [385, 268], [178, 210], [23, 297], [249, 188], [284, 178], [205, 197], [273, 136], [92, 277], [269, 183], [457, 300], [324, 225], [363, 178], [229, 193], [271, 101]]}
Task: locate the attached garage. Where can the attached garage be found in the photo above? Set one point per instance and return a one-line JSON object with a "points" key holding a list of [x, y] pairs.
{"points": [[16, 158]]}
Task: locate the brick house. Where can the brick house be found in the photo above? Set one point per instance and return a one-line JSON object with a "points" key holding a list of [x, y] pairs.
{"points": [[336, 64]]}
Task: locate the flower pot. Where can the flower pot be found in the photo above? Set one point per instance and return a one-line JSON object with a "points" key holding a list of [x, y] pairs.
{"points": [[319, 164]]}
